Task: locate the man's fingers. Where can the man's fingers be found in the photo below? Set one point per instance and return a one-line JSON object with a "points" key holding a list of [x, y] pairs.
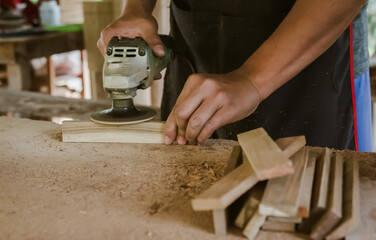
{"points": [[220, 118], [155, 42], [198, 119], [170, 129], [184, 111]]}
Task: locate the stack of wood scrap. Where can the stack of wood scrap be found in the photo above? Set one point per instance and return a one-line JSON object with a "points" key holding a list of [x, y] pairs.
{"points": [[307, 193]]}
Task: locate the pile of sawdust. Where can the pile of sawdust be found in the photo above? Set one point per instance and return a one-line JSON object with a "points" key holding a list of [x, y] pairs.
{"points": [[55, 190]]}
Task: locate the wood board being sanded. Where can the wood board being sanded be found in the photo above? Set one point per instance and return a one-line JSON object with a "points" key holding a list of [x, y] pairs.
{"points": [[79, 131]]}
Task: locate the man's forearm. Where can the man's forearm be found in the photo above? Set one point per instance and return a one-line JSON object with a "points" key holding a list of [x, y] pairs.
{"points": [[139, 6], [309, 29]]}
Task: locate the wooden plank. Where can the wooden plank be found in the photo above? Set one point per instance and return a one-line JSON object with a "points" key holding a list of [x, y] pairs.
{"points": [[254, 225], [220, 221], [147, 132], [291, 145], [234, 160], [220, 215], [278, 226], [250, 205], [226, 190], [333, 213], [306, 191], [319, 191], [229, 188], [264, 155], [282, 195], [351, 201], [285, 219]]}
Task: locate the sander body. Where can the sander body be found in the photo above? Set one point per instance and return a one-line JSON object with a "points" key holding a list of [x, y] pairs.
{"points": [[129, 65]]}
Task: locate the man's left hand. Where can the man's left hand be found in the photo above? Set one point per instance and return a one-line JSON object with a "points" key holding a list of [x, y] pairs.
{"points": [[207, 102]]}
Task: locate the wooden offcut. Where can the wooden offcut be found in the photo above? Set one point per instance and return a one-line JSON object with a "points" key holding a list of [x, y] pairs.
{"points": [[220, 215], [278, 226], [291, 145], [351, 201], [282, 195], [220, 221], [285, 219], [250, 205], [254, 224], [306, 190], [264, 155], [234, 160], [79, 131], [237, 182], [226, 190], [319, 191], [333, 213]]}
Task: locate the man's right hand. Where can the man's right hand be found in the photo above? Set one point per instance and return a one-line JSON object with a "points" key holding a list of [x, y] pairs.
{"points": [[131, 25]]}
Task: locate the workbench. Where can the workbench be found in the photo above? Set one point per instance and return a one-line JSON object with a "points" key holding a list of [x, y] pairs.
{"points": [[16, 53], [55, 190]]}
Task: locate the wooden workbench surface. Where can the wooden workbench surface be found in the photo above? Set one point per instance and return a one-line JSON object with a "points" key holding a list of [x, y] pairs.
{"points": [[55, 190]]}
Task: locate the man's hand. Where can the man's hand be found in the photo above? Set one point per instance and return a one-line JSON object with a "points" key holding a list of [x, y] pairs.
{"points": [[207, 102], [133, 24]]}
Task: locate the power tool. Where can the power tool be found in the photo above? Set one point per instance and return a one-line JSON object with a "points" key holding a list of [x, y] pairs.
{"points": [[129, 65]]}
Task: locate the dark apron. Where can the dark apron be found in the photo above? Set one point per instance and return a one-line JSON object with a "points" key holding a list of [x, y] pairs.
{"points": [[219, 36]]}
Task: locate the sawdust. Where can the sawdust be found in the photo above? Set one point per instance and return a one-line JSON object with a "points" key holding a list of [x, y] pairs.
{"points": [[55, 190]]}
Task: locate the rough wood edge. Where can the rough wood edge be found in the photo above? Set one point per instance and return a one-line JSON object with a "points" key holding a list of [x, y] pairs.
{"points": [[80, 131]]}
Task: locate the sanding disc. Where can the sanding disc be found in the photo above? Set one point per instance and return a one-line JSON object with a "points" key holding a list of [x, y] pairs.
{"points": [[114, 116]]}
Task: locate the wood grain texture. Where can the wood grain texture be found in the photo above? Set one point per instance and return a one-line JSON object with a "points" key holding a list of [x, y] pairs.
{"points": [[264, 155], [282, 195], [351, 201], [278, 226], [254, 224], [306, 191], [250, 205], [147, 132], [333, 213], [319, 191]]}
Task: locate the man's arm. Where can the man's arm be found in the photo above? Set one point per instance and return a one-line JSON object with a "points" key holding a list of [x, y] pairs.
{"points": [[209, 101], [135, 21], [309, 29]]}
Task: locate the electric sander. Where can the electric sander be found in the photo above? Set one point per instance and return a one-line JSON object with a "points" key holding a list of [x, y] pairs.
{"points": [[129, 65]]}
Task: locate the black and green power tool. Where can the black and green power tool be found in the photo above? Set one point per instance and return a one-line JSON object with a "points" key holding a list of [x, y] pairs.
{"points": [[129, 65]]}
